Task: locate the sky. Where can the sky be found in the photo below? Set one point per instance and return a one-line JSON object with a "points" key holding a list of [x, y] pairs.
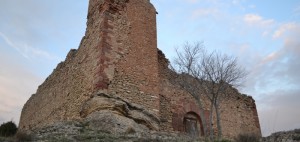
{"points": [[36, 35]]}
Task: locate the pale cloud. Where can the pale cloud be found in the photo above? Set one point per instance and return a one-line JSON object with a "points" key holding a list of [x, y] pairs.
{"points": [[274, 79], [25, 50], [257, 20], [281, 66], [236, 2], [284, 29], [265, 33], [271, 57], [205, 12], [297, 10], [192, 1], [31, 32], [252, 6]]}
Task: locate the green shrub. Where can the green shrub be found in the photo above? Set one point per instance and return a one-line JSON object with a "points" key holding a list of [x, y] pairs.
{"points": [[247, 138], [8, 129]]}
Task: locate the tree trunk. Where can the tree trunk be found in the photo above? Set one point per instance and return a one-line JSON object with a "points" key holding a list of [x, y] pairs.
{"points": [[211, 122], [218, 120], [203, 120]]}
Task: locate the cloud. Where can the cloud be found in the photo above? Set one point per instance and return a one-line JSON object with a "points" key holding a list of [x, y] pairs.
{"points": [[275, 82], [192, 1], [25, 50], [257, 20], [205, 12], [17, 83], [252, 6], [297, 10], [31, 25], [274, 77], [235, 1], [284, 29], [34, 36], [279, 69]]}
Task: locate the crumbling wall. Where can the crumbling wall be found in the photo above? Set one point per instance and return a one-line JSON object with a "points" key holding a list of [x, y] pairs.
{"points": [[238, 111]]}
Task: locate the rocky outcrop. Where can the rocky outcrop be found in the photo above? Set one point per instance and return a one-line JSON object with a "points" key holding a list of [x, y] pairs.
{"points": [[289, 136], [113, 114]]}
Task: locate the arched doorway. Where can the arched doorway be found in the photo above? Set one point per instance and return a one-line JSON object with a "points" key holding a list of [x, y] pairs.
{"points": [[192, 124]]}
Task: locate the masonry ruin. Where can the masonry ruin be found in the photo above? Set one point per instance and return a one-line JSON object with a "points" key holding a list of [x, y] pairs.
{"points": [[118, 75]]}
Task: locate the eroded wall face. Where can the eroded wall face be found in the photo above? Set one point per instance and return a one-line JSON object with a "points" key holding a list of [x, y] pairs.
{"points": [[136, 73], [117, 55]]}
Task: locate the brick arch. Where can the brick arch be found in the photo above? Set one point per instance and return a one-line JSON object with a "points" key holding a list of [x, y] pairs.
{"points": [[198, 123], [180, 110]]}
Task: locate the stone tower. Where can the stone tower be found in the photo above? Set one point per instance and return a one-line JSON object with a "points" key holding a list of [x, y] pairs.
{"points": [[117, 56]]}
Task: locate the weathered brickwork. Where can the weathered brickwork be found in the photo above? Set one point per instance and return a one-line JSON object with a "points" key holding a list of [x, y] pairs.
{"points": [[118, 58]]}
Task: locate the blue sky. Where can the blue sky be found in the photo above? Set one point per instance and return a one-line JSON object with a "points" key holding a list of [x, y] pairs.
{"points": [[36, 35]]}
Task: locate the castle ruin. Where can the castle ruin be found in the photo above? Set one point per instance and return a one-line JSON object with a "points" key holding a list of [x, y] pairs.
{"points": [[119, 75]]}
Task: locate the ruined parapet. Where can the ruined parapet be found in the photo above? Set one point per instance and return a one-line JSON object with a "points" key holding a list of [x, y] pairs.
{"points": [[117, 56]]}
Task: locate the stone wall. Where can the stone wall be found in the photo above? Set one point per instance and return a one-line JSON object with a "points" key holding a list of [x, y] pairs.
{"points": [[118, 71]]}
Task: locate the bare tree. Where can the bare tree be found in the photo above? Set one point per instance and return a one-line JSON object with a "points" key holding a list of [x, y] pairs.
{"points": [[213, 74], [183, 68]]}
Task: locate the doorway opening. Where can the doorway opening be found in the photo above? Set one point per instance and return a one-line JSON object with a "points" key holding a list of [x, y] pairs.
{"points": [[192, 124]]}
